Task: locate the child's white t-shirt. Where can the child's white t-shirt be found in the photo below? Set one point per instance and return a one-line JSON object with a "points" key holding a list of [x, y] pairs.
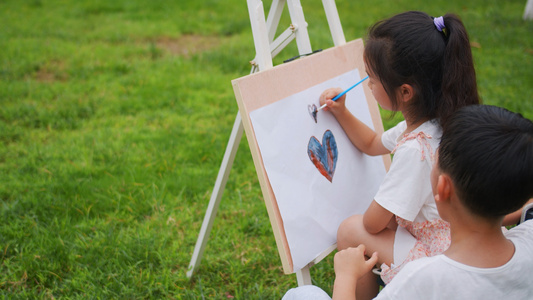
{"points": [[440, 277], [406, 189]]}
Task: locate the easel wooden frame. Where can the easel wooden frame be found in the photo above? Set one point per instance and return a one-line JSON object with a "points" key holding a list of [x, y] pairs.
{"points": [[266, 48]]}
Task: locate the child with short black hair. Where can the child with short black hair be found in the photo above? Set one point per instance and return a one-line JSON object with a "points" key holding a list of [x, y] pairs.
{"points": [[484, 170]]}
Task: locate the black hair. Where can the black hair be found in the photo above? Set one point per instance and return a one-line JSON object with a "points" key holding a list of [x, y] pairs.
{"points": [[409, 49], [488, 153]]}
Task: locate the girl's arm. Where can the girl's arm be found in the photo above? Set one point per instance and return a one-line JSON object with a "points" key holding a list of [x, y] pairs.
{"points": [[376, 218], [361, 136]]}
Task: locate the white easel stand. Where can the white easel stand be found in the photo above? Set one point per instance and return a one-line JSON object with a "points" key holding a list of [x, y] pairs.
{"points": [[528, 12], [266, 48]]}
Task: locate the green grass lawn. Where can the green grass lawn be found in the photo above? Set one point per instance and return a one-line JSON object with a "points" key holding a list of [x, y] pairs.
{"points": [[114, 118]]}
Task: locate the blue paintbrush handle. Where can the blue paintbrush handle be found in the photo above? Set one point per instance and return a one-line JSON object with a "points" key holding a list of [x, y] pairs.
{"points": [[346, 91]]}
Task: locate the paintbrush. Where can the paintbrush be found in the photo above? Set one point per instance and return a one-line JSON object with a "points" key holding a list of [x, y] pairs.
{"points": [[346, 91]]}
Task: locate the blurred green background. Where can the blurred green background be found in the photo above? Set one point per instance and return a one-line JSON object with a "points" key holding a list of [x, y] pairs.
{"points": [[114, 118]]}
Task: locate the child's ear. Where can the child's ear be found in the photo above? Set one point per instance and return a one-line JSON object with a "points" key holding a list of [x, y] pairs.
{"points": [[406, 92], [444, 187]]}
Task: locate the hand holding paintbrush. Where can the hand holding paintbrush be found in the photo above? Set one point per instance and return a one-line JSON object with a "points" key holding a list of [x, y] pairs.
{"points": [[342, 93]]}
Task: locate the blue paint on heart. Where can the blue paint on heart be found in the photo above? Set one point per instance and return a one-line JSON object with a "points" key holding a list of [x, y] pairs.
{"points": [[324, 156]]}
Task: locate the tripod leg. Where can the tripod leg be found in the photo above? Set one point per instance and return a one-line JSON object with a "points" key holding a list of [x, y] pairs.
{"points": [[218, 190]]}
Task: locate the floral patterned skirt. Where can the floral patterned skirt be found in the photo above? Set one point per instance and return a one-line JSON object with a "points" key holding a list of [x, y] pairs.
{"points": [[433, 238]]}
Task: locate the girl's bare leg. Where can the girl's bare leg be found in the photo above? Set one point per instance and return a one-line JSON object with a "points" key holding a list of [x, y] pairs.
{"points": [[367, 287]]}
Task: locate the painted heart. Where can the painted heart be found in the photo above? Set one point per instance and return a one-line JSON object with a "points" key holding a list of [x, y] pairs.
{"points": [[324, 156], [312, 111]]}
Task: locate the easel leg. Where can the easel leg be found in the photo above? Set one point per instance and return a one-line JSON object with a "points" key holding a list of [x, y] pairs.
{"points": [[266, 48], [303, 277], [528, 11], [218, 190]]}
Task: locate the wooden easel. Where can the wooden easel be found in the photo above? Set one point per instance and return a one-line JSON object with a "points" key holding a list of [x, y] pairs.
{"points": [[266, 48]]}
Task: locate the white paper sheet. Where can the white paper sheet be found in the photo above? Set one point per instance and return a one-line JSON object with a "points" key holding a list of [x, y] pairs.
{"points": [[311, 206]]}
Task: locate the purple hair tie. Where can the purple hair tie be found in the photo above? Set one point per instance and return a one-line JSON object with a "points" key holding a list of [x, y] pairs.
{"points": [[439, 23]]}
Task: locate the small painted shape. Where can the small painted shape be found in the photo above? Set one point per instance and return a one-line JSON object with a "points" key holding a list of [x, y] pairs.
{"points": [[312, 111]]}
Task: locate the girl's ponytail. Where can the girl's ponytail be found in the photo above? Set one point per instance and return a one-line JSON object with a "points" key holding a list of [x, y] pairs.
{"points": [[432, 55], [459, 87]]}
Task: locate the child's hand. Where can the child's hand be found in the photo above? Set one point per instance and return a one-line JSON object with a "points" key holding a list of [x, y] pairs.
{"points": [[333, 106], [351, 264]]}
